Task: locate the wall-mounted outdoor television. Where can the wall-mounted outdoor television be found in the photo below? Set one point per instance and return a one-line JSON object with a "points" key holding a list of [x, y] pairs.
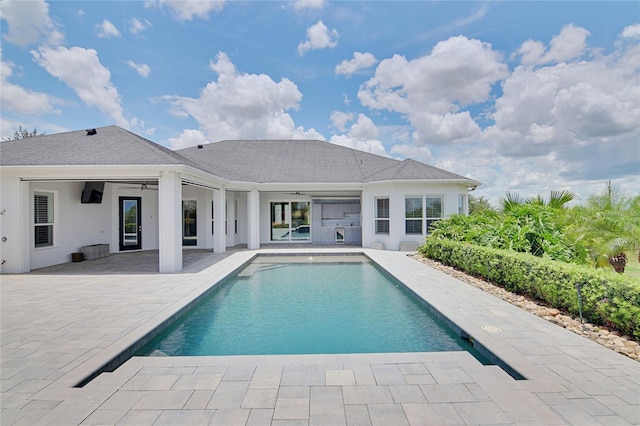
{"points": [[92, 193]]}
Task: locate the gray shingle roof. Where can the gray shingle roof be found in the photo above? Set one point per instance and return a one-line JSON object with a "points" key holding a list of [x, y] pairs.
{"points": [[111, 145], [305, 161], [260, 161]]}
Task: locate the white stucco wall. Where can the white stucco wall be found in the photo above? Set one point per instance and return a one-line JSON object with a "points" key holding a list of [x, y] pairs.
{"points": [[75, 224], [397, 193]]}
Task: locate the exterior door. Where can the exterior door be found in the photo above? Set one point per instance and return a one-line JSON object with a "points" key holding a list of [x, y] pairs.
{"points": [[130, 223]]}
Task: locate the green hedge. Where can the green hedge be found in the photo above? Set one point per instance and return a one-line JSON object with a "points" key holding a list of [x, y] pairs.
{"points": [[607, 298]]}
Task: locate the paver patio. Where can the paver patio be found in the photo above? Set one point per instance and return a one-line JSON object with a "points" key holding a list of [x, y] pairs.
{"points": [[58, 328]]}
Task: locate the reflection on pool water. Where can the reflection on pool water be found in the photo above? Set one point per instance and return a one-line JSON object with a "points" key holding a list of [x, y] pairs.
{"points": [[307, 305]]}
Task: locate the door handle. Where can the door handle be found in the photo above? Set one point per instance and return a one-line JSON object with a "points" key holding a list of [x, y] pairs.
{"points": [[139, 227]]}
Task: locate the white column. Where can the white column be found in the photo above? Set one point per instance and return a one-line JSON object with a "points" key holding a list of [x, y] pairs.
{"points": [[219, 237], [169, 223], [253, 220], [16, 221], [26, 217]]}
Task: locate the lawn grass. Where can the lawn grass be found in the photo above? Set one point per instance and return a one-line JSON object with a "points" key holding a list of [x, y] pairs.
{"points": [[633, 266]]}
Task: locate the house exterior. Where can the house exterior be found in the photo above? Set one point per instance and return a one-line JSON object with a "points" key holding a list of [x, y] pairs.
{"points": [[65, 192]]}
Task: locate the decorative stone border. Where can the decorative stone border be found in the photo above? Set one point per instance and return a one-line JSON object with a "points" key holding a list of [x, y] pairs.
{"points": [[607, 338]]}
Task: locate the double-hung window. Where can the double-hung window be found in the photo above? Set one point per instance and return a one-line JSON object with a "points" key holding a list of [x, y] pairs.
{"points": [[413, 215], [43, 220], [434, 205], [382, 215]]}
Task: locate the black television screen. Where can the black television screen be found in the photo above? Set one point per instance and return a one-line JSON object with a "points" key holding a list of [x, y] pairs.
{"points": [[92, 192]]}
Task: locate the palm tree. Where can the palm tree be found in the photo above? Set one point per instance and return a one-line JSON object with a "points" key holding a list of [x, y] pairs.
{"points": [[610, 226], [557, 200]]}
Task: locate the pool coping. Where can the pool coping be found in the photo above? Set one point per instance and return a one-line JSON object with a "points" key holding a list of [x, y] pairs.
{"points": [[489, 342], [554, 361]]}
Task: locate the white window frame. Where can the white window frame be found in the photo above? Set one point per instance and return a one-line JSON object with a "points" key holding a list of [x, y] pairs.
{"points": [[381, 219], [433, 218], [414, 219], [52, 214], [462, 204]]}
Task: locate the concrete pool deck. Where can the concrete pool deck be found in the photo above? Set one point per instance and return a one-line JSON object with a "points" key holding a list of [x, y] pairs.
{"points": [[59, 327]]}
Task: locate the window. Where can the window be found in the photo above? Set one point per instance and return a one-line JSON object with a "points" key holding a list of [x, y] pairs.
{"points": [[235, 215], [189, 223], [413, 215], [43, 219], [462, 201], [382, 215], [434, 205]]}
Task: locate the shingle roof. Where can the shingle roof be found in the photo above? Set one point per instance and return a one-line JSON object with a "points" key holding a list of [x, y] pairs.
{"points": [[306, 161], [260, 161], [111, 145]]}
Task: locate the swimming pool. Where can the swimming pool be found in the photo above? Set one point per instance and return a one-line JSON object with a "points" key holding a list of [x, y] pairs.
{"points": [[307, 305]]}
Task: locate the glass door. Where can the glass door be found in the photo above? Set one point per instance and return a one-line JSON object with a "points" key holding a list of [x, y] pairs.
{"points": [[300, 220], [189, 223], [280, 220], [130, 223], [290, 221]]}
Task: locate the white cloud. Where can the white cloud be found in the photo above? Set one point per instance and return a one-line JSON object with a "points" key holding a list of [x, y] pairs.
{"points": [[569, 44], [340, 119], [568, 104], [359, 61], [418, 153], [188, 10], [318, 37], [309, 4], [81, 70], [106, 30], [137, 26], [188, 137], [143, 69], [362, 134], [242, 106], [28, 22], [363, 128], [632, 31], [431, 90], [17, 99]]}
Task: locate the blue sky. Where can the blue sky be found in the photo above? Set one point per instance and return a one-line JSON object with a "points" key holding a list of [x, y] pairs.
{"points": [[523, 96]]}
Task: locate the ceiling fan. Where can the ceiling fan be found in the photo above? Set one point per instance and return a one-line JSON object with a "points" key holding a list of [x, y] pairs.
{"points": [[143, 186], [296, 193]]}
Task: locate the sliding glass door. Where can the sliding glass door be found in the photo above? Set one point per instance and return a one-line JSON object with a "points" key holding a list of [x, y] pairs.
{"points": [[291, 221]]}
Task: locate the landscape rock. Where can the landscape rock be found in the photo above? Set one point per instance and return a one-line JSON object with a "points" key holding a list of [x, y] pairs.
{"points": [[599, 334]]}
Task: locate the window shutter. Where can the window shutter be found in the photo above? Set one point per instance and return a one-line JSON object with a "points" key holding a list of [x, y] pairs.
{"points": [[41, 208]]}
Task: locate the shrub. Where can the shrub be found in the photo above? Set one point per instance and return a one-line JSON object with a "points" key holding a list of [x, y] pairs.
{"points": [[607, 299]]}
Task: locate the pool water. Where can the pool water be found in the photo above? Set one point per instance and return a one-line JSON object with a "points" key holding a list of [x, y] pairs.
{"points": [[306, 305]]}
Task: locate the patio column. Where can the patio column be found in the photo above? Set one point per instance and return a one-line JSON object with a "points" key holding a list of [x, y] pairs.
{"points": [[169, 222], [16, 221], [219, 235], [25, 227], [253, 220]]}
